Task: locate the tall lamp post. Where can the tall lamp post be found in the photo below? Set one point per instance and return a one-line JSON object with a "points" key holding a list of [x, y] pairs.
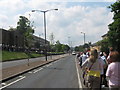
{"points": [[44, 27], [84, 37]]}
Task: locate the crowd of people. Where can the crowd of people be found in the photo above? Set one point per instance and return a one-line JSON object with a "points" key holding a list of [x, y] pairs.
{"points": [[99, 69]]}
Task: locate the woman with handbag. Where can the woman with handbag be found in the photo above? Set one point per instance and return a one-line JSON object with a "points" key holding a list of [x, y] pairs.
{"points": [[93, 66]]}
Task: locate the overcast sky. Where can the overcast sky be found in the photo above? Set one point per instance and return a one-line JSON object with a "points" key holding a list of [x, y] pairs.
{"points": [[89, 16]]}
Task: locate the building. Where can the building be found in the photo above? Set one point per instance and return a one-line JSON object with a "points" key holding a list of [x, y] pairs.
{"points": [[104, 36], [15, 39]]}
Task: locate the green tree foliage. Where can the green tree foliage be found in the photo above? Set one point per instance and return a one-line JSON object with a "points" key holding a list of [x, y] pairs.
{"points": [[12, 29], [65, 47], [86, 45], [77, 48], [58, 47], [104, 45], [80, 48], [114, 27], [23, 25]]}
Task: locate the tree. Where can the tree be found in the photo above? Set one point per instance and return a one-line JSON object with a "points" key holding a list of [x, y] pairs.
{"points": [[77, 48], [12, 29], [80, 48], [58, 46], [114, 27], [65, 48], [104, 45], [23, 25], [86, 45]]}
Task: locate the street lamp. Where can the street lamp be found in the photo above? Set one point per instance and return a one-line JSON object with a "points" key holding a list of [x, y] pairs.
{"points": [[44, 27], [84, 37]]}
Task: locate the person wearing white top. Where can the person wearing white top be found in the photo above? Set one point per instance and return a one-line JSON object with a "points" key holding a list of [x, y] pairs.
{"points": [[94, 66], [84, 57]]}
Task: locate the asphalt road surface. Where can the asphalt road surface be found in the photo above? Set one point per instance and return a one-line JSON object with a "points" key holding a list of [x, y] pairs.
{"points": [[59, 74]]}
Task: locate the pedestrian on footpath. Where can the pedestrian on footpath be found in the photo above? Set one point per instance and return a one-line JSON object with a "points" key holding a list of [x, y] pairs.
{"points": [[113, 70], [108, 58], [84, 56], [103, 76], [94, 67], [79, 58], [78, 55]]}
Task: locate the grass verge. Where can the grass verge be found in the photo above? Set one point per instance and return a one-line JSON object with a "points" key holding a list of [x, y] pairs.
{"points": [[6, 55]]}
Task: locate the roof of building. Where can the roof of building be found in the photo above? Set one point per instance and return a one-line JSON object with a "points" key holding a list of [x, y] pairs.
{"points": [[104, 35]]}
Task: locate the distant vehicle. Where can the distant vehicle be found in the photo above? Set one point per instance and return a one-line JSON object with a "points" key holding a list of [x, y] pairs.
{"points": [[73, 53]]}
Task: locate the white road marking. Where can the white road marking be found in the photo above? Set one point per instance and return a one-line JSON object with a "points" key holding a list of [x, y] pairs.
{"points": [[49, 64], [37, 70], [29, 72], [3, 83], [56, 61], [44, 66], [20, 76], [79, 82], [12, 82]]}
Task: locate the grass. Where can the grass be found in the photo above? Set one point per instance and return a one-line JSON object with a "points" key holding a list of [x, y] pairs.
{"points": [[6, 55], [0, 55]]}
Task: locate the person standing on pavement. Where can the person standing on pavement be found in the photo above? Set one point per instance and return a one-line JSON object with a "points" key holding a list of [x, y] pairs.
{"points": [[113, 70], [79, 58], [84, 57], [78, 55], [105, 64], [94, 67], [108, 58]]}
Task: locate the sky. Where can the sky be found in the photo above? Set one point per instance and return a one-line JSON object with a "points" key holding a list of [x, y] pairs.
{"points": [[91, 17]]}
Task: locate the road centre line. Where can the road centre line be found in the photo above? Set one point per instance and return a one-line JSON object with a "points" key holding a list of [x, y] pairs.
{"points": [[79, 82], [12, 82]]}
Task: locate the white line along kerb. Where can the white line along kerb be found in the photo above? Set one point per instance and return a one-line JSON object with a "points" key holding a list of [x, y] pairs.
{"points": [[79, 82]]}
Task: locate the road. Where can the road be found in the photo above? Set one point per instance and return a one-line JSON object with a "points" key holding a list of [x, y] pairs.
{"points": [[59, 74]]}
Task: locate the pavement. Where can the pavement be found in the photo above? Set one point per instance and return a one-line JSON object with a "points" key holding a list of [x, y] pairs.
{"points": [[11, 72]]}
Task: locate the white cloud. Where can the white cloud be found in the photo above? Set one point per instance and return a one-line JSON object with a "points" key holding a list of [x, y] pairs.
{"points": [[11, 6], [92, 21], [68, 21], [3, 20], [77, 0]]}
